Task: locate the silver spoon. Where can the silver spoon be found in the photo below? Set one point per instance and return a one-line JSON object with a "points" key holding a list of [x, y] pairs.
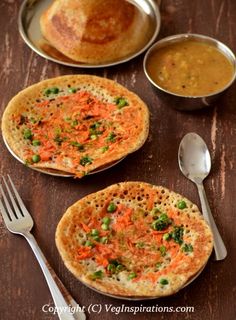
{"points": [[195, 163]]}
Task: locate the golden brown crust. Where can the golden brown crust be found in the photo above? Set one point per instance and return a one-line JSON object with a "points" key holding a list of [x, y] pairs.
{"points": [[94, 31], [138, 196], [135, 116]]}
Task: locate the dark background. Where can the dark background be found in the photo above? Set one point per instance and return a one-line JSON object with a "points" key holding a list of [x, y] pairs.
{"points": [[213, 293]]}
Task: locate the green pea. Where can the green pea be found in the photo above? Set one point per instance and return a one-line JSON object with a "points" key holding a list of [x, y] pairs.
{"points": [[119, 268], [94, 232], [167, 236], [93, 137], [121, 102], [112, 207], [104, 240], [27, 134], [181, 205], [47, 91], [36, 158], [111, 267], [105, 227], [97, 275], [164, 281], [72, 90], [132, 275], [54, 90], [88, 243], [106, 220], [36, 143], [96, 238]]}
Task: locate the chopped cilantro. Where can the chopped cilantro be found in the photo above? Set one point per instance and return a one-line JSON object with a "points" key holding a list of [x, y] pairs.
{"points": [[32, 120], [177, 234], [187, 247], [104, 149], [155, 212], [140, 245], [77, 145], [95, 125], [74, 123], [158, 265], [58, 139], [162, 250], [162, 222], [111, 137], [85, 161]]}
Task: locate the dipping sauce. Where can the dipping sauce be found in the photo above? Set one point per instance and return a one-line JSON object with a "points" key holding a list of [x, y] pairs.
{"points": [[190, 68]]}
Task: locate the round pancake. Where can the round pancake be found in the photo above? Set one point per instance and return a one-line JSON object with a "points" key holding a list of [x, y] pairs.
{"points": [[154, 240], [75, 123], [94, 31]]}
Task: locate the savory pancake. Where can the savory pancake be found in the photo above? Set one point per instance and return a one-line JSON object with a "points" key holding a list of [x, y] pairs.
{"points": [[75, 123], [134, 239], [94, 31]]}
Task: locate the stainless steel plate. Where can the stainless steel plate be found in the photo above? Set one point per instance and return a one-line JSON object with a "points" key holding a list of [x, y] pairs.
{"points": [[57, 173], [29, 27]]}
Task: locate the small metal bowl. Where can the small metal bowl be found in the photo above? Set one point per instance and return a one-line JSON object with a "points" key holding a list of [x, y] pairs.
{"points": [[188, 103]]}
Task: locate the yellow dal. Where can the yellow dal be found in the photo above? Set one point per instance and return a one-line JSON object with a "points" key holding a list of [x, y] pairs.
{"points": [[190, 68]]}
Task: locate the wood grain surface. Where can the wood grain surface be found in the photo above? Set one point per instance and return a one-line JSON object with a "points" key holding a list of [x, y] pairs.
{"points": [[213, 294]]}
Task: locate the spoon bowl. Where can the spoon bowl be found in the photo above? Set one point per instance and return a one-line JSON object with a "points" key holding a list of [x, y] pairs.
{"points": [[194, 157], [195, 163]]}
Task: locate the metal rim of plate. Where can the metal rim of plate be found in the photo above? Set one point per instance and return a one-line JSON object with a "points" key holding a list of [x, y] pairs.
{"points": [[148, 6], [144, 297], [58, 173]]}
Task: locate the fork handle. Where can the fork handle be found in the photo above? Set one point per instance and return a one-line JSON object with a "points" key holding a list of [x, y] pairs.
{"points": [[62, 299]]}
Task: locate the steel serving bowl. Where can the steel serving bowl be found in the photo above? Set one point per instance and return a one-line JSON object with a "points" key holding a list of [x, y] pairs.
{"points": [[182, 102]]}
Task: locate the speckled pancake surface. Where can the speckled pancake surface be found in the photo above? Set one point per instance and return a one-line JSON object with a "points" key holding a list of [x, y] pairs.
{"points": [[94, 31], [134, 239], [75, 124]]}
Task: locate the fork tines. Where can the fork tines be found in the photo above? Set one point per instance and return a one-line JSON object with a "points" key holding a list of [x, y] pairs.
{"points": [[14, 207]]}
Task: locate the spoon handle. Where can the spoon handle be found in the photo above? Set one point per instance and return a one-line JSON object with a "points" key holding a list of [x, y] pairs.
{"points": [[220, 250]]}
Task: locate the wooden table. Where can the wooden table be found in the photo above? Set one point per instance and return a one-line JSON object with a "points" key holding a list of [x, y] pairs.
{"points": [[23, 288]]}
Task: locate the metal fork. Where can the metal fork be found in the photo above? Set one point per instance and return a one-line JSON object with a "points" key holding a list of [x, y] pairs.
{"points": [[18, 220]]}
